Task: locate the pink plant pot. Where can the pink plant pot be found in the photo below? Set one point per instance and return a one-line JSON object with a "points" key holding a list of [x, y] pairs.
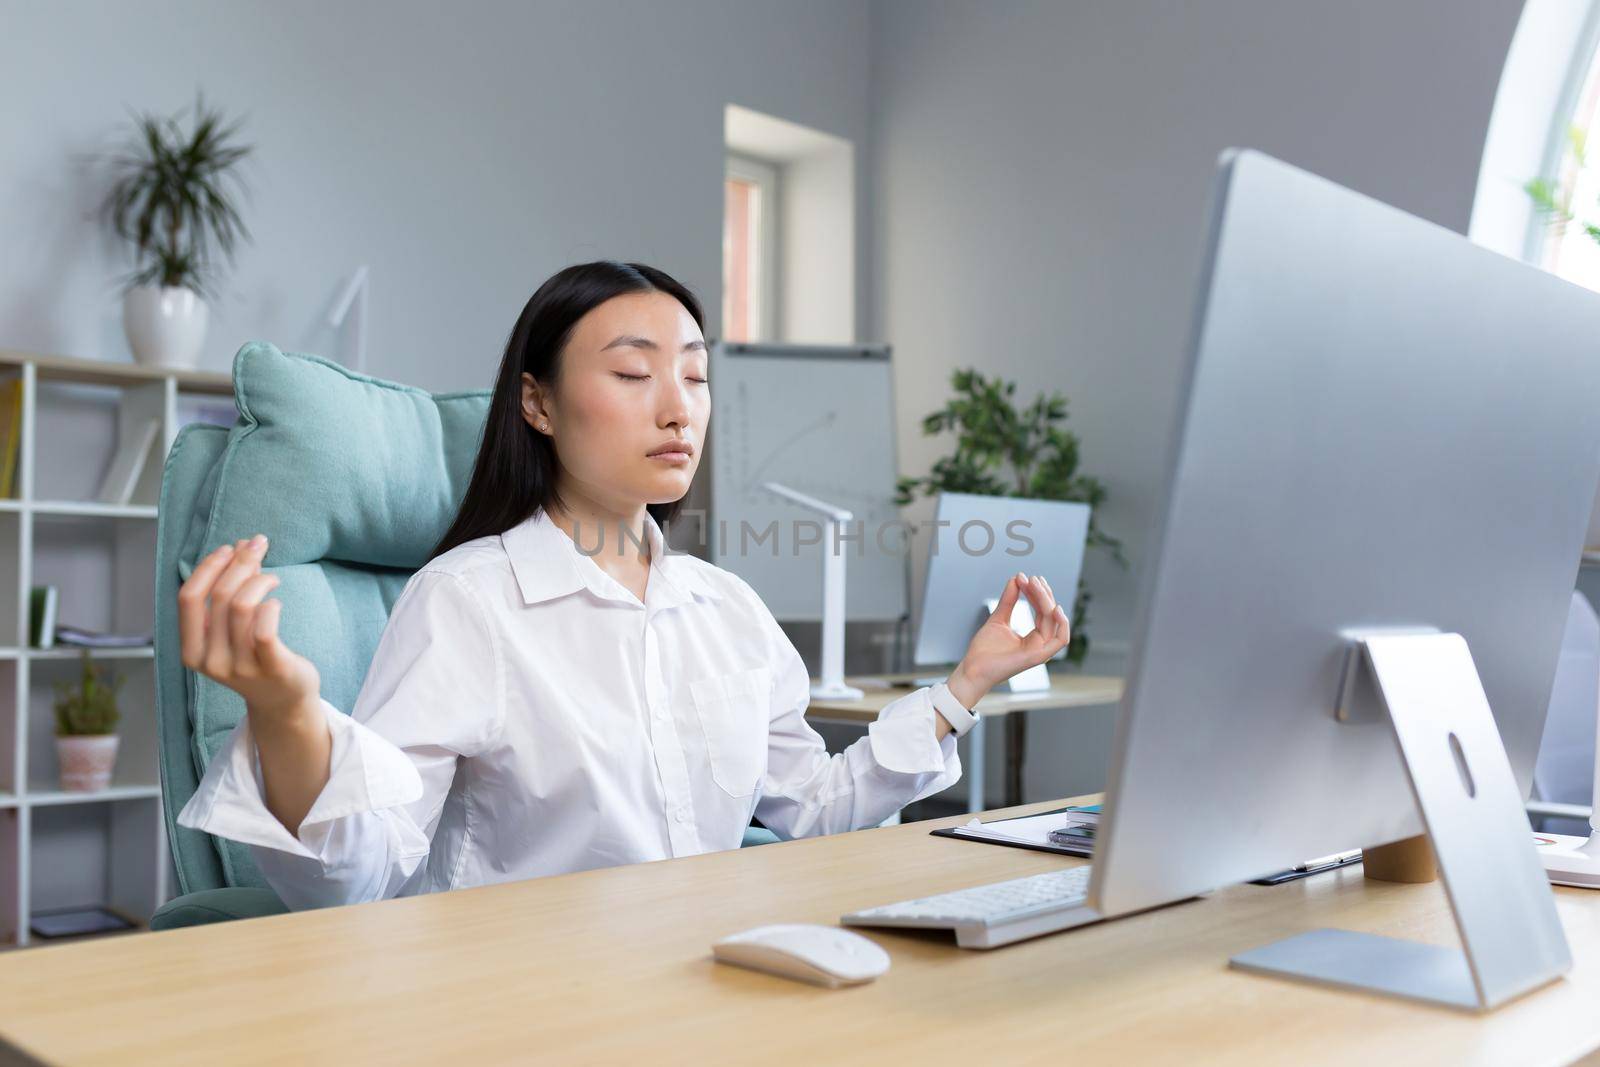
{"points": [[86, 761]]}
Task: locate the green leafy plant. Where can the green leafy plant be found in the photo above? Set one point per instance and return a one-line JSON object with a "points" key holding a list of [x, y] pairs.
{"points": [[1553, 197], [171, 198], [88, 708], [1004, 450]]}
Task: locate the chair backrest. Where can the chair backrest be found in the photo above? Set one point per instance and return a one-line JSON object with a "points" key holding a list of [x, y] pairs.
{"points": [[353, 479]]}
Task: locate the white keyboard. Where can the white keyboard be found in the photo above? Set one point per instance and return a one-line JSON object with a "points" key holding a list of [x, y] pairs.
{"points": [[999, 913]]}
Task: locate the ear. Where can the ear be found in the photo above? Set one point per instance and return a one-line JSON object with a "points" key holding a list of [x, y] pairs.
{"points": [[534, 411]]}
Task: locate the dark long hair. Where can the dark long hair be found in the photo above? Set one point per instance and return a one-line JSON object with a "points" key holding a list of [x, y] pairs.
{"points": [[515, 473]]}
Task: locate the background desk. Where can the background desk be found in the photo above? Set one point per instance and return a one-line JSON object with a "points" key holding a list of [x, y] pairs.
{"points": [[1066, 691], [614, 966]]}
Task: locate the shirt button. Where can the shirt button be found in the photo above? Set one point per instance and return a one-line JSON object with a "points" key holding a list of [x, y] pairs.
{"points": [[680, 815]]}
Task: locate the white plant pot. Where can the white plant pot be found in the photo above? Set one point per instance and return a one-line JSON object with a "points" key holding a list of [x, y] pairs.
{"points": [[165, 325], [86, 762]]}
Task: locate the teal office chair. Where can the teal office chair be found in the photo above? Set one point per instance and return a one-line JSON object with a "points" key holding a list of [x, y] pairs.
{"points": [[353, 479]]}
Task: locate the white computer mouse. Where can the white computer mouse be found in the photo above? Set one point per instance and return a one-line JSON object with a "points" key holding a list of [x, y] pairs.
{"points": [[824, 955]]}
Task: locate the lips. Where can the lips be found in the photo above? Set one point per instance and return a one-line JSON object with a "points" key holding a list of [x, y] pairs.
{"points": [[683, 447]]}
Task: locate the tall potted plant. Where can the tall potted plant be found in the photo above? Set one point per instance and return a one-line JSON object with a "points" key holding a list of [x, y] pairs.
{"points": [[171, 199], [1003, 450], [86, 723]]}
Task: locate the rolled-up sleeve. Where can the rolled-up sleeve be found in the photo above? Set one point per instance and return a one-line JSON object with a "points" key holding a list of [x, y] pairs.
{"points": [[432, 695], [807, 792]]}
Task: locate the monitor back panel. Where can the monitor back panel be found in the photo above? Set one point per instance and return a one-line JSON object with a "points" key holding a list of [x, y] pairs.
{"points": [[1384, 426]]}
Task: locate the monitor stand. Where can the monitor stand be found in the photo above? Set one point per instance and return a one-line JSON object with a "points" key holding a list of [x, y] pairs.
{"points": [[1426, 687]]}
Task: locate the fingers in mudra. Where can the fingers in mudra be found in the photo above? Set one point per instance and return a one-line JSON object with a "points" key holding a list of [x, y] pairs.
{"points": [[1051, 629]]}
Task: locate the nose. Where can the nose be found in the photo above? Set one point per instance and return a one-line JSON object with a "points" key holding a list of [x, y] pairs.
{"points": [[673, 409]]}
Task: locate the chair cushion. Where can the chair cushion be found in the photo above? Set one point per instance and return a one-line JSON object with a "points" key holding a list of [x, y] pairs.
{"points": [[758, 835], [353, 479], [373, 469], [194, 453]]}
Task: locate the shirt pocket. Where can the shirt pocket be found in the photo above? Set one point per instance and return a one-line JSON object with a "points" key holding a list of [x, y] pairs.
{"points": [[733, 710]]}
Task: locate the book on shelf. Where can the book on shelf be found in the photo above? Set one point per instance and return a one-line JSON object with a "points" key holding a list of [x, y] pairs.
{"points": [[68, 922], [126, 466], [42, 616], [81, 638], [10, 436]]}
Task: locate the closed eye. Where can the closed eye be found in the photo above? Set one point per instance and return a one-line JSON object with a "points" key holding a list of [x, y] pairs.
{"points": [[646, 377]]}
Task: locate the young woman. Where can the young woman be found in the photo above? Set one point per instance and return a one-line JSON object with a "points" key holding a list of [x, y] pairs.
{"points": [[554, 691]]}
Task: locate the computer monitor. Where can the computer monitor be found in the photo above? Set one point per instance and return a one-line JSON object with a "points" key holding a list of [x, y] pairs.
{"points": [[1383, 428], [978, 543]]}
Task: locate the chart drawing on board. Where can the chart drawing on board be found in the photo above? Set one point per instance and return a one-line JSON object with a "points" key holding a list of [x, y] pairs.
{"points": [[819, 419]]}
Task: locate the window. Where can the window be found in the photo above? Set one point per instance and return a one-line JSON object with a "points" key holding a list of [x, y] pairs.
{"points": [[789, 245], [1566, 221], [749, 250]]}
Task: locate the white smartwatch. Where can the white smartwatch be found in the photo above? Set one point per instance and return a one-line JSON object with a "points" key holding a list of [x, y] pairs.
{"points": [[945, 703]]}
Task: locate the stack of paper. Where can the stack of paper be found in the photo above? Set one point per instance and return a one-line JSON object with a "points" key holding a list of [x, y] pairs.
{"points": [[75, 635]]}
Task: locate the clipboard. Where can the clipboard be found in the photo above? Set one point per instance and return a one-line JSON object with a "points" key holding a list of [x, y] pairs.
{"points": [[1037, 846]]}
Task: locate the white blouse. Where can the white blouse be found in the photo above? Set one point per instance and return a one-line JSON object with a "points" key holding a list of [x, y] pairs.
{"points": [[524, 714]]}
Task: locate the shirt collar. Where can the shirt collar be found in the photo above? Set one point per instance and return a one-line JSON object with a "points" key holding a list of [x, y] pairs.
{"points": [[548, 564]]}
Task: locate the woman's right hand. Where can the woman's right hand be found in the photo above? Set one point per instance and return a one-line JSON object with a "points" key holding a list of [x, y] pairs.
{"points": [[233, 639]]}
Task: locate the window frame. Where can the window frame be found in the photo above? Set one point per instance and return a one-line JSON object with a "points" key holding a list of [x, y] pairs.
{"points": [[765, 176], [1582, 78]]}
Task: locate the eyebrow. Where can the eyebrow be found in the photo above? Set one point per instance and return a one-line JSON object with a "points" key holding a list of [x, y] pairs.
{"points": [[628, 340]]}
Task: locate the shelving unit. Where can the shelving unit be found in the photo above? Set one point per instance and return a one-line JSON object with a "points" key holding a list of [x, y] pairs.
{"points": [[59, 848]]}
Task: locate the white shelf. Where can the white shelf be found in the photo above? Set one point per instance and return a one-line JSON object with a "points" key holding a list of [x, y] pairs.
{"points": [[104, 372], [92, 509], [48, 797], [123, 841], [76, 508], [73, 652]]}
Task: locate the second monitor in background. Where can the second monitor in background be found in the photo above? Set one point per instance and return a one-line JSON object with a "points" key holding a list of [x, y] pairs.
{"points": [[978, 543]]}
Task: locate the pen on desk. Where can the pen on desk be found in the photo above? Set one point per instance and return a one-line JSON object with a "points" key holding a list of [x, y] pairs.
{"points": [[1328, 861]]}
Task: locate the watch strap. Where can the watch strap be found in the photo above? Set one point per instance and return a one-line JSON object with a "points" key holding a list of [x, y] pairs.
{"points": [[945, 703]]}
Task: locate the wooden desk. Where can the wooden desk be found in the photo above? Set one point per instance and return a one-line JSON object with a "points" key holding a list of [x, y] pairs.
{"points": [[1066, 691], [614, 966]]}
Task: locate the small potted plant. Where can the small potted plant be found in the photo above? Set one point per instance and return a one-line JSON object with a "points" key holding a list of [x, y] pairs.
{"points": [[170, 199], [86, 721]]}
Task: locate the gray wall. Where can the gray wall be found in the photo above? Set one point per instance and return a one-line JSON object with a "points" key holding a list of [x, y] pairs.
{"points": [[1041, 177], [465, 151], [1031, 178]]}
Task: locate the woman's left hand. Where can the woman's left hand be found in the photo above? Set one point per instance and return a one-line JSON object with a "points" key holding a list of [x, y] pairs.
{"points": [[997, 652]]}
